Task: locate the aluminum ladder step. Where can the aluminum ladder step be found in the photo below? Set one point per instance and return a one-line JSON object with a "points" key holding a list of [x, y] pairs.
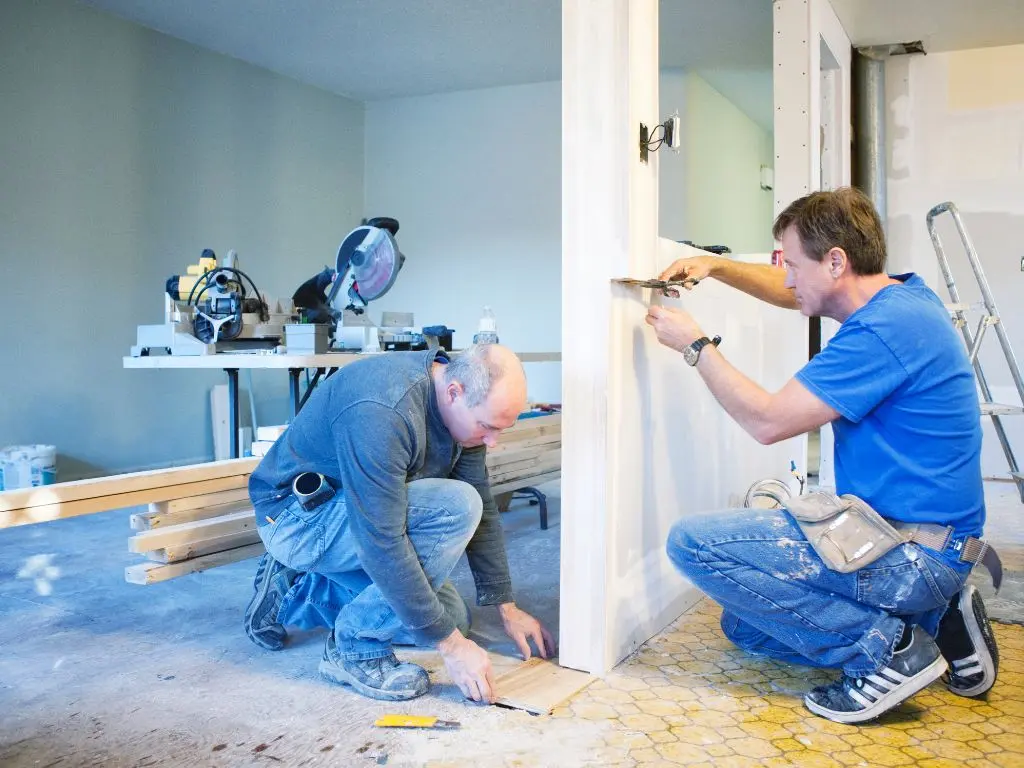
{"points": [[1000, 409]]}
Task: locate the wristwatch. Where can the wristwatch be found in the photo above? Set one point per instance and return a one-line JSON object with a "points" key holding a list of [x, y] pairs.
{"points": [[691, 354]]}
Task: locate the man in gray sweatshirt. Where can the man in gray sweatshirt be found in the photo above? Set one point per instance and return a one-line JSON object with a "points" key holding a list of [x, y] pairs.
{"points": [[366, 503]]}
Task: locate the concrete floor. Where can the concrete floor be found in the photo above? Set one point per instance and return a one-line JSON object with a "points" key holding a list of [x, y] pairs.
{"points": [[99, 672]]}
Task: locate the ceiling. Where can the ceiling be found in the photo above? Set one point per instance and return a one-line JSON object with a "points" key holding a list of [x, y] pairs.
{"points": [[379, 49], [943, 25]]}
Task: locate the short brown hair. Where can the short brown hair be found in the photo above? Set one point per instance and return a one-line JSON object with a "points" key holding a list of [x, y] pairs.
{"points": [[844, 218]]}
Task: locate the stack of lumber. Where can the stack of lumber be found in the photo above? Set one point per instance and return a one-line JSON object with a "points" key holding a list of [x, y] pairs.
{"points": [[198, 517], [530, 453], [193, 533]]}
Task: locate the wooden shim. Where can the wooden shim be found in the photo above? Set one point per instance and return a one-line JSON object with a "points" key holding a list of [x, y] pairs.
{"points": [[147, 521], [151, 573], [200, 530], [205, 500], [61, 510], [526, 482], [538, 686], [179, 552], [118, 485]]}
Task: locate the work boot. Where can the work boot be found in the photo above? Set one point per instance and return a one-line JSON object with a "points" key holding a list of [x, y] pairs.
{"points": [[857, 699], [384, 678], [273, 580], [967, 642]]}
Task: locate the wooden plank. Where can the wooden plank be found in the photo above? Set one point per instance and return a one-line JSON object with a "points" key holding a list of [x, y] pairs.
{"points": [[179, 552], [539, 466], [146, 521], [534, 421], [151, 573], [62, 510], [526, 482], [501, 451], [519, 435], [49, 495], [205, 500], [539, 685], [200, 530], [524, 462]]}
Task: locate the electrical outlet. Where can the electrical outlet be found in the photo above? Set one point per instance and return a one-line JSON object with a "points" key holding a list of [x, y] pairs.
{"points": [[644, 139], [673, 132]]}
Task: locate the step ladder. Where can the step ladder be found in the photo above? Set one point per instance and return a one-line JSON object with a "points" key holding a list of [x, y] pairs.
{"points": [[990, 317]]}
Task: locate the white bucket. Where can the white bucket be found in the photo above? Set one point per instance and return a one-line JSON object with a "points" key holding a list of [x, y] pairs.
{"points": [[27, 466]]}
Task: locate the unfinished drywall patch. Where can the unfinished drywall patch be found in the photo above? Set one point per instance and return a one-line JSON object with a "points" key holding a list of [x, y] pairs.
{"points": [[949, 145], [986, 77]]}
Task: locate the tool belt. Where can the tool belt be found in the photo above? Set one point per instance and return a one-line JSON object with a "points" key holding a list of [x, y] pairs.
{"points": [[848, 534], [970, 549]]}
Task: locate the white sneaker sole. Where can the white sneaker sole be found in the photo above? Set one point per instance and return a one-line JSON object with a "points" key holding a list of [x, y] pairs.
{"points": [[977, 636], [892, 699]]}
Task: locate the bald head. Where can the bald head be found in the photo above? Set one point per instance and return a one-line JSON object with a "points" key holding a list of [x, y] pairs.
{"points": [[486, 369], [483, 392]]}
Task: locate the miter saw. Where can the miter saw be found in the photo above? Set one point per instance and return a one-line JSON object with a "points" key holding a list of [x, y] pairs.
{"points": [[211, 308], [366, 267]]}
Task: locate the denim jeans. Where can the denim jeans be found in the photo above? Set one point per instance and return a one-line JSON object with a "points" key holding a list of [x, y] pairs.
{"points": [[780, 600], [335, 592]]}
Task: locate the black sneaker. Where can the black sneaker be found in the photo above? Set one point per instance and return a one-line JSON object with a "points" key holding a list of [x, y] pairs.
{"points": [[968, 644], [273, 580], [384, 678], [857, 699]]}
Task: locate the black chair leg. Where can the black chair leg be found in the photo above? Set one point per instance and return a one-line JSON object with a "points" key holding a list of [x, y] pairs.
{"points": [[538, 498]]}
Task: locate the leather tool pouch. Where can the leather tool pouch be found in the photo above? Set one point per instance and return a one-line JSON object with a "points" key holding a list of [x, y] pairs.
{"points": [[845, 531]]}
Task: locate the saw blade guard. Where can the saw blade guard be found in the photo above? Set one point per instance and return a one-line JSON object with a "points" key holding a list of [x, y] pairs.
{"points": [[372, 257]]}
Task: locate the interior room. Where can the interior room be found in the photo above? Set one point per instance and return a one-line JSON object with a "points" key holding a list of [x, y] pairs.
{"points": [[136, 134]]}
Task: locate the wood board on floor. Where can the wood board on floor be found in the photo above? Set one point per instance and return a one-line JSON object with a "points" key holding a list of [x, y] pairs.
{"points": [[538, 686]]}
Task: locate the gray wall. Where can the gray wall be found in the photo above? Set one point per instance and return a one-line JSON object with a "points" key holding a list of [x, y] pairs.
{"points": [[474, 178], [123, 153]]}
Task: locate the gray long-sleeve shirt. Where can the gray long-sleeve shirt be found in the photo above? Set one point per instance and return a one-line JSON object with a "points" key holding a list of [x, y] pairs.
{"points": [[372, 428]]}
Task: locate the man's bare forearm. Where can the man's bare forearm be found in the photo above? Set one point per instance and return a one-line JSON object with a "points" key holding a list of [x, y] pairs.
{"points": [[762, 281]]}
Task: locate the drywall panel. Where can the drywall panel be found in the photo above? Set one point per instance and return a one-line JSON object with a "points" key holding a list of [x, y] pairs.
{"points": [[643, 441], [673, 450], [812, 123]]}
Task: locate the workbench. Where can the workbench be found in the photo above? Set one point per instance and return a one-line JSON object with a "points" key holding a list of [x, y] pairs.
{"points": [[324, 365]]}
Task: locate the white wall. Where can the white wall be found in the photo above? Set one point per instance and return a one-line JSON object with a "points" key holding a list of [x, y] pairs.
{"points": [[474, 179], [710, 191], [955, 125], [725, 150], [124, 153]]}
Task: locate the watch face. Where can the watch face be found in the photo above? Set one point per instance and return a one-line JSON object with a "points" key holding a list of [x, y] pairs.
{"points": [[689, 355]]}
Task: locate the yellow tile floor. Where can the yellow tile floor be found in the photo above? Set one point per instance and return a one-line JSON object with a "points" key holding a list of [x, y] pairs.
{"points": [[689, 697]]}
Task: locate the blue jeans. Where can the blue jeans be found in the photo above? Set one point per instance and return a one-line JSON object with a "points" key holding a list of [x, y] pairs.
{"points": [[335, 592], [780, 600]]}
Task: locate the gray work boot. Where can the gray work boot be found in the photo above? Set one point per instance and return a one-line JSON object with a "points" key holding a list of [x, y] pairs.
{"points": [[273, 580], [384, 678]]}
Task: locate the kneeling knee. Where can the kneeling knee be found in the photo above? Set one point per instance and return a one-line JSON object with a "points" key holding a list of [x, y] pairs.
{"points": [[682, 545], [458, 498]]}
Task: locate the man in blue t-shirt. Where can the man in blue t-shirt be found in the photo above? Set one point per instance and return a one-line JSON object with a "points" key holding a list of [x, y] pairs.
{"points": [[897, 387]]}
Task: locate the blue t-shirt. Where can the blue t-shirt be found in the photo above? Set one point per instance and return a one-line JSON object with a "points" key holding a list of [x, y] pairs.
{"points": [[908, 439]]}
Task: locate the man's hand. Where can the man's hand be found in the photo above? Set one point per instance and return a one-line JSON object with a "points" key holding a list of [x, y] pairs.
{"points": [[693, 267], [522, 627], [675, 327], [469, 667]]}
